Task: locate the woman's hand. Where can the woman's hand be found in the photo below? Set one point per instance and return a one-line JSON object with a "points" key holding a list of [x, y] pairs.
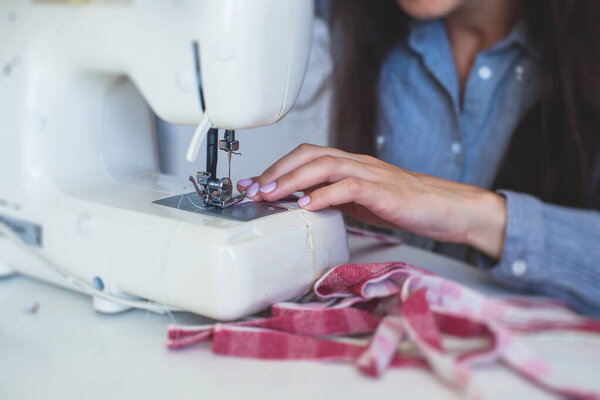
{"points": [[384, 195]]}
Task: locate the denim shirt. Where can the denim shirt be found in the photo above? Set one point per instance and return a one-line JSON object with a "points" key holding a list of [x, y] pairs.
{"points": [[423, 126]]}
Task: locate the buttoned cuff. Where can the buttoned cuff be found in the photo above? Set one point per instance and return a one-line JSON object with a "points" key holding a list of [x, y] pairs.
{"points": [[522, 258]]}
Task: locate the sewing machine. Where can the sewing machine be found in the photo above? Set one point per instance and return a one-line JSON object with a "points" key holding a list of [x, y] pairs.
{"points": [[82, 202]]}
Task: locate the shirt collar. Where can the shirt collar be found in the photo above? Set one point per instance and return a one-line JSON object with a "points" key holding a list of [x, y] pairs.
{"points": [[519, 36], [429, 40], [425, 36]]}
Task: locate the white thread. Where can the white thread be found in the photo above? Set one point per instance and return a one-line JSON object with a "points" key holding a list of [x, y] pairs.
{"points": [[187, 196], [311, 241], [163, 257], [313, 250]]}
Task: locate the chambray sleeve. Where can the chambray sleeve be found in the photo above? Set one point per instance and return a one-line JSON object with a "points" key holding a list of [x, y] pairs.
{"points": [[551, 250]]}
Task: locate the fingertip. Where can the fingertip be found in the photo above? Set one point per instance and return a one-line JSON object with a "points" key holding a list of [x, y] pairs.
{"points": [[253, 189], [245, 182], [304, 201], [268, 188]]}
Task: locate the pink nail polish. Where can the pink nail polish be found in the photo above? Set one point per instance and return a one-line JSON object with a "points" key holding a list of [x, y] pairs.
{"points": [[245, 182], [269, 187], [303, 201], [252, 190]]}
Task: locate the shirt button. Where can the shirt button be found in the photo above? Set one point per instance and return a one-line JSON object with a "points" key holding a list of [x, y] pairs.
{"points": [[485, 73], [519, 72], [380, 141], [519, 268], [456, 148]]}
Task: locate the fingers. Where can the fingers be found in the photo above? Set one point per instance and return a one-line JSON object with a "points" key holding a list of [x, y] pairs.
{"points": [[326, 169], [245, 184], [347, 190], [301, 155]]}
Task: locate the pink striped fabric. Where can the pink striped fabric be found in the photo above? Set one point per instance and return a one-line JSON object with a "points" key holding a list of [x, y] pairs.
{"points": [[394, 303]]}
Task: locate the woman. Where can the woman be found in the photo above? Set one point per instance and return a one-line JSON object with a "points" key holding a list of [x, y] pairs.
{"points": [[485, 116]]}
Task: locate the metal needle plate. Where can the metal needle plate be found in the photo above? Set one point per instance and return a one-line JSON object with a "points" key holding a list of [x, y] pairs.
{"points": [[238, 212]]}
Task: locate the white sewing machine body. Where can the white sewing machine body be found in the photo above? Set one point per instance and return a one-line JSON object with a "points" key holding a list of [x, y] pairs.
{"points": [[78, 158]]}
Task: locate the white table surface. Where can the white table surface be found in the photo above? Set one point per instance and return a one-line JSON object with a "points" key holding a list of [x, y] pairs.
{"points": [[68, 351]]}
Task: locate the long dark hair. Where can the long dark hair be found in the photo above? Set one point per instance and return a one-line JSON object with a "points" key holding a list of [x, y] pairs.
{"points": [[555, 149]]}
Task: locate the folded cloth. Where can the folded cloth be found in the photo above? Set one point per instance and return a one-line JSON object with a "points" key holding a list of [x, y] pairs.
{"points": [[397, 304]]}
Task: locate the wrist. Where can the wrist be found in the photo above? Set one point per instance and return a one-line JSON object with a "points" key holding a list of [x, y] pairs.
{"points": [[488, 225]]}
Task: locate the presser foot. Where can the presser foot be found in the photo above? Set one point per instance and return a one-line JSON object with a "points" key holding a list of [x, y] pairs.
{"points": [[223, 201], [215, 192]]}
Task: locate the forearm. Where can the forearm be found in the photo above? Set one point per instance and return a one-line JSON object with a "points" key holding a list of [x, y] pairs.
{"points": [[475, 217]]}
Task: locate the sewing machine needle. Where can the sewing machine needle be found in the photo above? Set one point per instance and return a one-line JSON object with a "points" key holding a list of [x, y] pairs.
{"points": [[229, 168]]}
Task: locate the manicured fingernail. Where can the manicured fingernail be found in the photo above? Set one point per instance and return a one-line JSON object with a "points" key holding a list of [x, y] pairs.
{"points": [[269, 187], [245, 182], [303, 201], [252, 190]]}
